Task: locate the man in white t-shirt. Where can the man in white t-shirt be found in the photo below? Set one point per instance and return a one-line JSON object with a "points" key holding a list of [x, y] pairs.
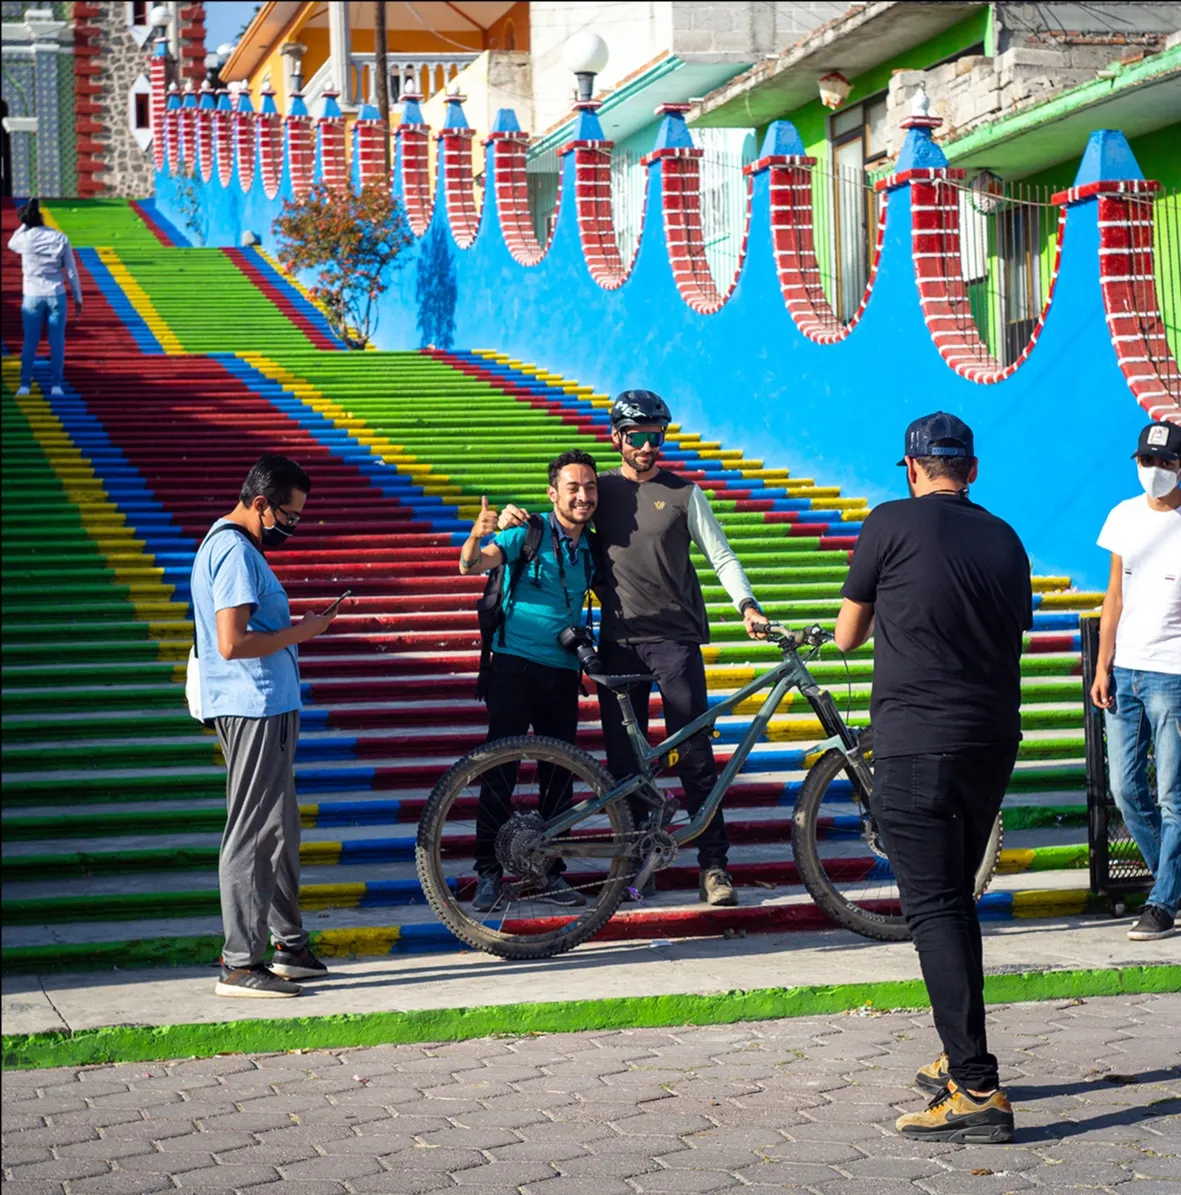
{"points": [[1138, 675]]}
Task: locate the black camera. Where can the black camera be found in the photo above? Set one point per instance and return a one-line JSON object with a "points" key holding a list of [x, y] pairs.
{"points": [[581, 642]]}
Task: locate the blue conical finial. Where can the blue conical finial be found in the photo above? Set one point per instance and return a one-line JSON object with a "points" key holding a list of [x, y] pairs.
{"points": [[244, 102], [587, 126], [297, 107], [331, 109], [223, 100], [269, 107], [190, 97], [207, 99], [783, 140], [673, 132], [919, 151], [506, 121], [1107, 158], [368, 112], [411, 112], [455, 118], [161, 48], [173, 97]]}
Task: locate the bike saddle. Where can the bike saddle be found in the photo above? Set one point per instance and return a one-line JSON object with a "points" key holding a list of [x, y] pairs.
{"points": [[624, 682]]}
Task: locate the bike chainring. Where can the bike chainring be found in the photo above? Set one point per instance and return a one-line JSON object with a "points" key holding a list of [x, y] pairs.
{"points": [[659, 843]]}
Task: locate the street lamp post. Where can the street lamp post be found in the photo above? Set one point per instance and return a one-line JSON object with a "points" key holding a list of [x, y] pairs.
{"points": [[585, 54]]}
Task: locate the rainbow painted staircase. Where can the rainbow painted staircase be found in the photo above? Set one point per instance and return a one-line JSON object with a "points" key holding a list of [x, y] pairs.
{"points": [[188, 365]]}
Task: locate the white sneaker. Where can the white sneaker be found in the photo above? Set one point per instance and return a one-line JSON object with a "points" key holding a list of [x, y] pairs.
{"points": [[22, 392], [57, 392]]}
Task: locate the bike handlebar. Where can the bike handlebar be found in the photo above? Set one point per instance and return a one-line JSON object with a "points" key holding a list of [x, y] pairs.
{"points": [[814, 636]]}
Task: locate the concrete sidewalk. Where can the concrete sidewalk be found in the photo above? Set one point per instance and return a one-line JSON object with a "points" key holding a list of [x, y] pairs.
{"points": [[172, 1012], [805, 1106]]}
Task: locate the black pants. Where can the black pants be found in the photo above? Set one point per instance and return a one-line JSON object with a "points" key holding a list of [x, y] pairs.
{"points": [[680, 673], [935, 813], [524, 696]]}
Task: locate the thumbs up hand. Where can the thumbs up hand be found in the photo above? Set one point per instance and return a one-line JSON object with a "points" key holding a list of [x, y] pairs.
{"points": [[485, 523]]}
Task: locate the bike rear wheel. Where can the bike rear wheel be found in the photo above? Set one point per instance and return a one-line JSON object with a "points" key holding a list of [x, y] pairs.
{"points": [[853, 882], [524, 924]]}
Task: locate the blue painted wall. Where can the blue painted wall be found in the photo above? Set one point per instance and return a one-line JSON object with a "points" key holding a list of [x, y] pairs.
{"points": [[1054, 439]]}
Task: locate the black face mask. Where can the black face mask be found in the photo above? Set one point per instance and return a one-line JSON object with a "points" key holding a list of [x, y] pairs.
{"points": [[276, 536]]}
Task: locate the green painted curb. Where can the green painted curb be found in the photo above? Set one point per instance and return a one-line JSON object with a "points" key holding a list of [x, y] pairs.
{"points": [[139, 1043]]}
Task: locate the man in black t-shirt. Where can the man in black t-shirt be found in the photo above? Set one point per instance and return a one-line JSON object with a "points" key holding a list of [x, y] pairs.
{"points": [[944, 588]]}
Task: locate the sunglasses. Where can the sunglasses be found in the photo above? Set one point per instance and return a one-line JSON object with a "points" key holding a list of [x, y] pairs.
{"points": [[639, 439]]}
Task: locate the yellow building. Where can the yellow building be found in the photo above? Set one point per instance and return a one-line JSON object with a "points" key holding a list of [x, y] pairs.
{"points": [[323, 45]]}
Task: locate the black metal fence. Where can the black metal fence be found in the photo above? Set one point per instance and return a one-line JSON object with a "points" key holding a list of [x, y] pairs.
{"points": [[1117, 870]]}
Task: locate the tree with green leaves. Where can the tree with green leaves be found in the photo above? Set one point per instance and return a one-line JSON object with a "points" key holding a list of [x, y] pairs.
{"points": [[353, 241]]}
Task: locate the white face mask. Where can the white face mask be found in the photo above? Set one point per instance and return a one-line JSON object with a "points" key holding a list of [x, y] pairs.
{"points": [[1157, 482]]}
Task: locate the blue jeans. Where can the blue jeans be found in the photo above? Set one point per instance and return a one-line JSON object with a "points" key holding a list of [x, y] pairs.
{"points": [[1148, 708], [38, 313]]}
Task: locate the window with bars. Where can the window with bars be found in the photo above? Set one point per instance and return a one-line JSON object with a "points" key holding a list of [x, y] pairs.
{"points": [[857, 135]]}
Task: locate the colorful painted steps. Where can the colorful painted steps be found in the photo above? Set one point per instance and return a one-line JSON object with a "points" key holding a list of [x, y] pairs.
{"points": [[400, 446]]}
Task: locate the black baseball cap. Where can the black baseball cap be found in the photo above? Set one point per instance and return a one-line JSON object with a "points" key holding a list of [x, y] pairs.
{"points": [[938, 435], [1160, 439]]}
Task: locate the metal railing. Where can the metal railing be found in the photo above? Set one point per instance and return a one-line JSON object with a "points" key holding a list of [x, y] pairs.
{"points": [[844, 228], [1008, 238], [1008, 251]]}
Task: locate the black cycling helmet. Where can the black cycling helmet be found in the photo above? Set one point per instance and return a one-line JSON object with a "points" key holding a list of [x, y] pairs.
{"points": [[634, 407]]}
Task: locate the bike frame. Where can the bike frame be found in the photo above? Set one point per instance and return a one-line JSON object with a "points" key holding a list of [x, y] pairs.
{"points": [[791, 673]]}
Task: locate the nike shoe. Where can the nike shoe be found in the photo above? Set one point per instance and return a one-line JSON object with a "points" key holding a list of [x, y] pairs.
{"points": [[954, 1115], [933, 1077]]}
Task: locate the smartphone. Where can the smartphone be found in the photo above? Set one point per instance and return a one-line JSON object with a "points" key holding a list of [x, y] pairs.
{"points": [[332, 609]]}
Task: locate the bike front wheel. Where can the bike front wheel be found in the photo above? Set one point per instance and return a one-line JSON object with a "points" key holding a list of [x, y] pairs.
{"points": [[851, 880], [505, 786]]}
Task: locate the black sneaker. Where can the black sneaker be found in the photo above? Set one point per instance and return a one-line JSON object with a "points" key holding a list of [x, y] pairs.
{"points": [[487, 894], [1153, 925], [297, 964], [558, 892], [256, 983]]}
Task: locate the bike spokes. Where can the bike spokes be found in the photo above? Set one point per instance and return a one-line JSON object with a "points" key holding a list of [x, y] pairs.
{"points": [[489, 815]]}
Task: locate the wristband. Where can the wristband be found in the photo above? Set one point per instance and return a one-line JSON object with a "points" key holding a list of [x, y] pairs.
{"points": [[749, 603]]}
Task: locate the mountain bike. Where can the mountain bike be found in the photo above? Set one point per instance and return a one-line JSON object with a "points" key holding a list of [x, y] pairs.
{"points": [[611, 836]]}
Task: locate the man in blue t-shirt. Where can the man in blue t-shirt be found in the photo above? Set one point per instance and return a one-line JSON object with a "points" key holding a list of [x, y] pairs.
{"points": [[247, 649], [535, 681]]}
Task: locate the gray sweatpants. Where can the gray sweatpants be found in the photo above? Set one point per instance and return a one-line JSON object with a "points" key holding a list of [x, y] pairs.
{"points": [[258, 869]]}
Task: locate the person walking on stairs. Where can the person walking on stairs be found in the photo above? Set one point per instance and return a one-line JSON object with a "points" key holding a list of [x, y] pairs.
{"points": [[1138, 674], [541, 571], [47, 268], [944, 587], [247, 647], [654, 618]]}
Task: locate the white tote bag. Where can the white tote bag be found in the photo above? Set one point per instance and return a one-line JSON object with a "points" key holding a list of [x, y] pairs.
{"points": [[193, 685], [193, 668]]}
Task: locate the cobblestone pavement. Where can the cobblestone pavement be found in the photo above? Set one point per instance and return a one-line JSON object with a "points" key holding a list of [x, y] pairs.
{"points": [[801, 1104]]}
